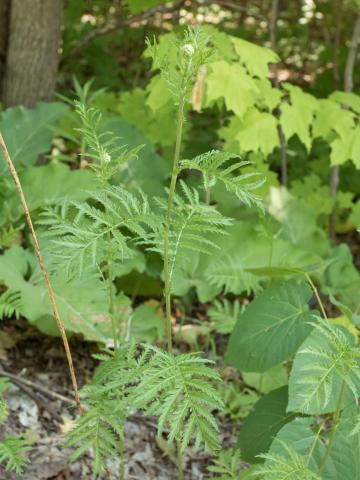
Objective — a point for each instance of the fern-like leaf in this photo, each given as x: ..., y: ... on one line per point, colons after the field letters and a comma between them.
x: 10, y: 304
x: 103, y: 147
x: 108, y: 401
x: 228, y: 272
x: 100, y: 429
x: 89, y: 232
x: 224, y: 315
x: 339, y: 360
x: 13, y: 452
x: 227, y: 465
x: 292, y: 466
x: 218, y: 166
x: 193, y: 224
x: 180, y: 391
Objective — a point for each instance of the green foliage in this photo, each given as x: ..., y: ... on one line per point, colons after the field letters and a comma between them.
x: 99, y: 429
x: 87, y: 235
x: 292, y: 466
x: 180, y: 391
x: 224, y: 315
x: 192, y: 224
x: 13, y: 453
x: 227, y: 465
x: 215, y: 166
x: 103, y: 147
x: 27, y: 133
x: 10, y: 304
x: 272, y: 327
x: 191, y: 51
x: 325, y: 364
x: 261, y: 426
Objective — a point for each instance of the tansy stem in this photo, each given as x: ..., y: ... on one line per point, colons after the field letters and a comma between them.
x: 167, y: 279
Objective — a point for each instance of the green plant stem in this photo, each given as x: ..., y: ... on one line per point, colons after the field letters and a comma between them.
x: 110, y: 287
x: 112, y: 302
x: 334, y: 428
x: 174, y: 175
x: 179, y: 461
x: 316, y: 293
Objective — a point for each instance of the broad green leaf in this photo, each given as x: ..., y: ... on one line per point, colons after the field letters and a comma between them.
x: 314, y: 193
x: 53, y: 183
x: 270, y: 97
x: 159, y: 95
x: 272, y: 328
x: 27, y: 133
x: 260, y: 427
x: 232, y: 83
x: 149, y: 170
x: 246, y: 248
x: 273, y: 378
x: 346, y: 148
x: 255, y: 58
x: 296, y: 118
x: 349, y: 99
x: 325, y: 360
x: 147, y: 323
x: 342, y: 278
x: 332, y: 117
x: 255, y: 132
x: 82, y: 304
x: 156, y: 126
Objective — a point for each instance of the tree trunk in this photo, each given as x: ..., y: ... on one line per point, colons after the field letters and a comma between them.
x: 4, y: 33
x: 33, y: 51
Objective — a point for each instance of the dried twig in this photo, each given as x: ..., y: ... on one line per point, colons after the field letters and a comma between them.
x: 43, y: 269
x: 36, y: 386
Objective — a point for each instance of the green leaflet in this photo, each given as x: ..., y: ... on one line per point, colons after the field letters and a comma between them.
x: 263, y: 423
x: 27, y: 133
x: 272, y: 328
x: 180, y: 390
x: 325, y: 363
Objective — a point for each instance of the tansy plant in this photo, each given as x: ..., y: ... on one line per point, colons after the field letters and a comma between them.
x: 96, y: 235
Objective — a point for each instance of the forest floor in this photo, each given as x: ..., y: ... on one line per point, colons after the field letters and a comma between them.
x: 35, y: 410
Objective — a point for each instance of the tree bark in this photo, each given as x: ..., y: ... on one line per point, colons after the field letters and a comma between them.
x: 33, y: 51
x: 4, y: 33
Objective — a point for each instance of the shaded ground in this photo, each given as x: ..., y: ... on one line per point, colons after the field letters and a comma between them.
x: 33, y: 357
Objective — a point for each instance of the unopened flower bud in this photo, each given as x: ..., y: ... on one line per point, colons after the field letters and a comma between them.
x: 188, y: 49
x: 107, y: 158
